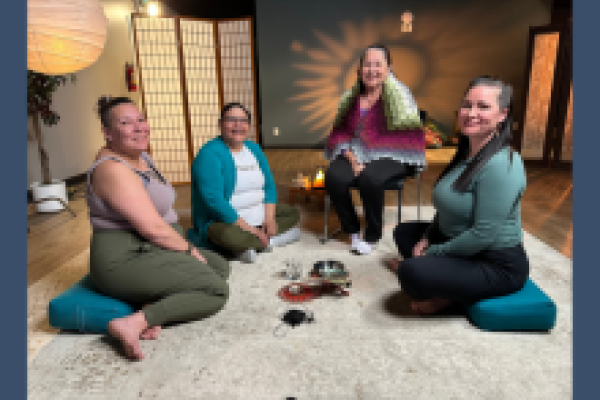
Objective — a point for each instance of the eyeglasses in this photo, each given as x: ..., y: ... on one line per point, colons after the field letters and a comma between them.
x: 232, y: 120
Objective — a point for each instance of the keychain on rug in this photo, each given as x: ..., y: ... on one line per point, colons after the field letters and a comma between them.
x: 295, y: 317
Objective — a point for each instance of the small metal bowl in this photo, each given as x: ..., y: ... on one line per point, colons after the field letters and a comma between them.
x: 330, y: 269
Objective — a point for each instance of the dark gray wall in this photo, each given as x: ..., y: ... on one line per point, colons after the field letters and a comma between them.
x: 308, y: 52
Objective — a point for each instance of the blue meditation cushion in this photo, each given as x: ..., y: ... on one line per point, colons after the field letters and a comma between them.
x: 527, y: 309
x: 83, y: 308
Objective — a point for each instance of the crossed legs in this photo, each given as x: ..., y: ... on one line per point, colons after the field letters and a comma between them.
x: 434, y: 282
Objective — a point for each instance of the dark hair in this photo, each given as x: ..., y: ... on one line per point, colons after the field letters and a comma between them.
x: 386, y: 54
x: 229, y: 106
x: 105, y: 104
x: 492, y: 147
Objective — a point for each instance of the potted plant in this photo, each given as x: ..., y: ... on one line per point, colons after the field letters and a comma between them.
x: 40, y: 88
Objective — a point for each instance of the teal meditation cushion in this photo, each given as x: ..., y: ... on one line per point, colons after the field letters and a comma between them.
x: 527, y: 309
x: 84, y: 309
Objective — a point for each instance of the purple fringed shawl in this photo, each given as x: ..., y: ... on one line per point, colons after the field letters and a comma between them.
x: 374, y: 134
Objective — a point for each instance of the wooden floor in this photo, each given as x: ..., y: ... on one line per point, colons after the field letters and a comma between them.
x: 546, y: 210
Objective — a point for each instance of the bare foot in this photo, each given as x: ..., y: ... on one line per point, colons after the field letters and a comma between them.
x: 431, y: 306
x: 151, y: 333
x: 127, y: 330
x: 393, y: 264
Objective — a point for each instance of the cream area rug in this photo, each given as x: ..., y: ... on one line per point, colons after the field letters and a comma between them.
x: 364, y: 346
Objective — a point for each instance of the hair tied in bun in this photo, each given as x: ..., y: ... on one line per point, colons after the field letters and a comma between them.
x: 106, y: 103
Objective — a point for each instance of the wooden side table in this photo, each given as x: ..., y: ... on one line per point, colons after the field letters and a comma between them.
x: 319, y: 192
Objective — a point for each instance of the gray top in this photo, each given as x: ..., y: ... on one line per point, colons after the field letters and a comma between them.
x: 161, y: 193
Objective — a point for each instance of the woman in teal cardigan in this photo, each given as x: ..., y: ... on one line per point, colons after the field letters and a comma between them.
x: 234, y: 198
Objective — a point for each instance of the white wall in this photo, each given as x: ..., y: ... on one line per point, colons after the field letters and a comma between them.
x: 74, y: 141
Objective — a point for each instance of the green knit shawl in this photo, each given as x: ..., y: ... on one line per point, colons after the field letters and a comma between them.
x: 395, y: 100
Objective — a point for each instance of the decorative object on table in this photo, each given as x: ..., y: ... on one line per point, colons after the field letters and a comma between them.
x: 319, y: 181
x: 64, y: 37
x: 299, y: 180
x: 434, y: 137
x: 307, y: 184
x: 50, y: 194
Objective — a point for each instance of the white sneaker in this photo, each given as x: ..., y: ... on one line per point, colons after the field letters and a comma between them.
x: 289, y: 236
x: 360, y: 246
x: 364, y: 248
x: 248, y: 257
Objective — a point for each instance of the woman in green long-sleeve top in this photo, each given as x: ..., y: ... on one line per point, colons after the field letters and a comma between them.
x: 472, y: 249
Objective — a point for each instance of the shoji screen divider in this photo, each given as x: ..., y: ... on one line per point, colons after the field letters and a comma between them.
x: 185, y: 93
x: 189, y: 68
x: 202, y: 76
x: 236, y: 54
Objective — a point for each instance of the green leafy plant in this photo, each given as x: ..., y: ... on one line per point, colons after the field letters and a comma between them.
x: 40, y: 88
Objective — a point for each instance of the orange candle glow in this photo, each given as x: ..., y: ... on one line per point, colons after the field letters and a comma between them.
x: 319, y: 179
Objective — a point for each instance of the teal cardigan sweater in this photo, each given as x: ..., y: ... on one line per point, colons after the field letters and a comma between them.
x: 487, y: 215
x: 213, y: 182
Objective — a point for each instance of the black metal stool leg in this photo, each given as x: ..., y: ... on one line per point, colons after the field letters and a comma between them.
x: 326, y: 236
x: 325, y: 239
x: 419, y: 196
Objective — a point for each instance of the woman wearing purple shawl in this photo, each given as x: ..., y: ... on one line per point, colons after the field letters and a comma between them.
x: 376, y: 137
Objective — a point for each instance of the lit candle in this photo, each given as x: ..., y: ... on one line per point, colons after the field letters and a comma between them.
x: 319, y: 179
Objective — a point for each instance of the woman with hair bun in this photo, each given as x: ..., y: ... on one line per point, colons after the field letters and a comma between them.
x: 138, y: 253
x: 473, y: 248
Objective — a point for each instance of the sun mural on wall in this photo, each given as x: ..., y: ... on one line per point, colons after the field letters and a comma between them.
x: 436, y: 60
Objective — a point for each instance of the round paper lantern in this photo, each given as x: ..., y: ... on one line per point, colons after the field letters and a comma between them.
x: 64, y: 36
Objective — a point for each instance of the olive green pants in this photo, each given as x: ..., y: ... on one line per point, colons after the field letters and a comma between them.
x: 233, y: 238
x: 180, y: 288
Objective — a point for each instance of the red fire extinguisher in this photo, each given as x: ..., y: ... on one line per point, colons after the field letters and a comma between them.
x: 130, y: 77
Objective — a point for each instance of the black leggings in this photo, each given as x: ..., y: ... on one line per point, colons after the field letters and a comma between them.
x: 338, y: 179
x: 489, y: 273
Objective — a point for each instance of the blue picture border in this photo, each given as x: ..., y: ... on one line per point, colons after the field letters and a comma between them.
x: 586, y: 199
x: 13, y: 232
